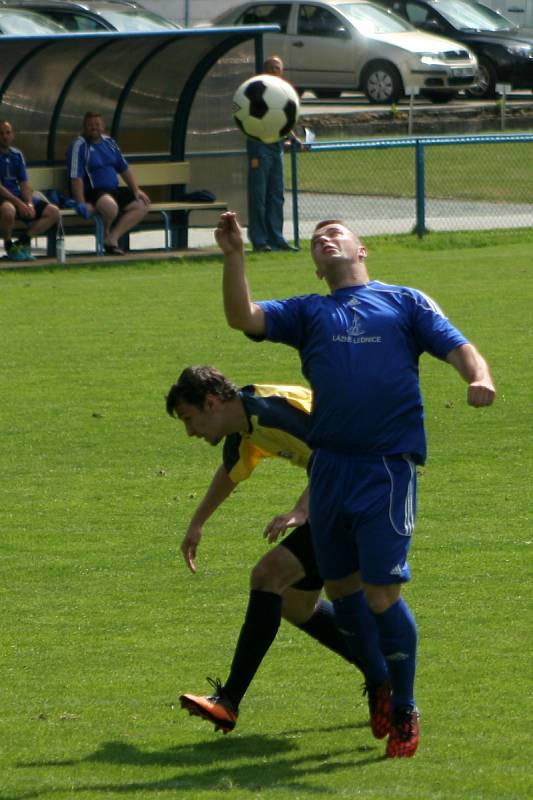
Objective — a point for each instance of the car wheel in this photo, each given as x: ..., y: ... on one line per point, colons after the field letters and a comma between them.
x: 486, y: 83
x: 381, y: 82
x: 439, y: 97
x: 327, y: 94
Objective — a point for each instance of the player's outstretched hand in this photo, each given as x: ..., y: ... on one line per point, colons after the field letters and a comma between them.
x: 282, y: 522
x: 189, y: 547
x: 228, y: 234
x: 481, y: 393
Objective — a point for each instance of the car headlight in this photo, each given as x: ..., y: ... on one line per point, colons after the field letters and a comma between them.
x: 522, y: 50
x: 431, y: 58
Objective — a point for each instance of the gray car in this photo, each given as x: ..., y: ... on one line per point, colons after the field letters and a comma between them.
x: 98, y: 15
x: 329, y: 47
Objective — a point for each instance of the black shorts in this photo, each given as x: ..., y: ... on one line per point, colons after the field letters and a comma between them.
x: 300, y: 544
x: 121, y: 195
x: 39, y: 204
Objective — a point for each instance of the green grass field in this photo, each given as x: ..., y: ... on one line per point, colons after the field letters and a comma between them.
x: 103, y: 627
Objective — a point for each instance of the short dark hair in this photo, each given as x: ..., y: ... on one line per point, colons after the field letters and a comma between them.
x: 195, y: 383
x: 90, y: 115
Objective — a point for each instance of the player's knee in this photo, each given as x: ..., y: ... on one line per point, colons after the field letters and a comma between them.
x: 263, y: 577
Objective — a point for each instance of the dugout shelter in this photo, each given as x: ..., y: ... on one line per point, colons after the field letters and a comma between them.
x: 163, y: 95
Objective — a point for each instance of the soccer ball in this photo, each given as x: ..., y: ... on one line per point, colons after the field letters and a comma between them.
x: 266, y: 108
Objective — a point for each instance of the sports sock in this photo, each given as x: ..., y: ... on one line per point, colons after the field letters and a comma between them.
x: 322, y: 626
x: 263, y: 617
x: 397, y: 636
x: 357, y: 625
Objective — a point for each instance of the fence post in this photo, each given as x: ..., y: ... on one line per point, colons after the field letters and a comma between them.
x: 294, y: 192
x: 420, y: 190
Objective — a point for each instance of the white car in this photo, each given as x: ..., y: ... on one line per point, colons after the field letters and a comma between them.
x: 330, y: 47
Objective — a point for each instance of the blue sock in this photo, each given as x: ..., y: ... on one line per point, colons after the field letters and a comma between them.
x: 357, y: 625
x: 322, y: 626
x: 397, y: 636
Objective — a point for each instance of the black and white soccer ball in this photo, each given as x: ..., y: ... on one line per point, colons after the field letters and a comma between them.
x: 266, y: 108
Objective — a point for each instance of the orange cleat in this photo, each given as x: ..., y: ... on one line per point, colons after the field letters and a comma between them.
x: 216, y: 708
x: 405, y: 732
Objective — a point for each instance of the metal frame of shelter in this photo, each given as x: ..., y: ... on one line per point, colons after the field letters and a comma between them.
x: 164, y: 95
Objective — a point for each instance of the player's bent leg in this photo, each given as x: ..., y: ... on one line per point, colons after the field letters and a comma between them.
x: 358, y: 626
x: 276, y: 571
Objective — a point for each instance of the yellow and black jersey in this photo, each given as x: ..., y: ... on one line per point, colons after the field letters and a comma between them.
x: 278, y: 426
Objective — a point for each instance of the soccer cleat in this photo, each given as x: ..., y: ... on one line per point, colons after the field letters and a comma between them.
x: 379, y: 708
x: 17, y: 253
x: 404, y: 733
x: 216, y: 708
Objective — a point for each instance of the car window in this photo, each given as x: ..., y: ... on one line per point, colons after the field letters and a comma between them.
x: 25, y: 23
x: 473, y: 16
x: 267, y: 14
x: 418, y: 14
x: 371, y: 19
x: 318, y: 21
x: 76, y: 22
x: 134, y: 21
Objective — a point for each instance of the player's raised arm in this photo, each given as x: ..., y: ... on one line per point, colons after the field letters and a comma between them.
x: 473, y: 368
x: 241, y: 312
x: 219, y: 490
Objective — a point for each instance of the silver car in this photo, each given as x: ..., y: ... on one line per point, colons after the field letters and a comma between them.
x: 329, y: 47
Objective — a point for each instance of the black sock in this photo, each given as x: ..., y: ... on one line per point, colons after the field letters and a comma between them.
x: 323, y: 627
x: 263, y: 617
x: 8, y: 244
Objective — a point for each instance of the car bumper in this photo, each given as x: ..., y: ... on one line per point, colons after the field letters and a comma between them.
x: 451, y: 78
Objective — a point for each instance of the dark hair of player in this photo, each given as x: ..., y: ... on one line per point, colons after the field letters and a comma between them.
x: 193, y: 386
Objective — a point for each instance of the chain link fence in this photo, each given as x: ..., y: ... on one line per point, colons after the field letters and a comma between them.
x: 416, y: 184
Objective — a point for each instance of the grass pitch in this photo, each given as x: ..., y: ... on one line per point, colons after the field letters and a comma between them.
x: 102, y: 625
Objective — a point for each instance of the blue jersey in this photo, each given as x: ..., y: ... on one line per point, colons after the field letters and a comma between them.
x: 98, y: 163
x: 278, y: 426
x: 13, y: 170
x: 359, y: 348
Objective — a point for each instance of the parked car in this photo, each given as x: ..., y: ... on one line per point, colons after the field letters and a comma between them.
x: 98, y: 15
x: 504, y: 52
x: 329, y: 47
x: 15, y: 22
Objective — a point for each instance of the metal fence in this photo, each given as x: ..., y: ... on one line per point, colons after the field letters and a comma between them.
x: 414, y: 184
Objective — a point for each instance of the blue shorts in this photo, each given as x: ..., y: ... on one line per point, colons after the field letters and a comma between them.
x: 362, y: 515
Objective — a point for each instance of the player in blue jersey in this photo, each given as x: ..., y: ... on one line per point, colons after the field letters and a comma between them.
x: 359, y: 348
x: 18, y: 201
x: 256, y: 422
x: 94, y: 162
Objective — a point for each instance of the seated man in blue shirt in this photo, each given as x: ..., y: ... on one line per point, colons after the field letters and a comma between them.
x: 17, y: 200
x: 94, y: 162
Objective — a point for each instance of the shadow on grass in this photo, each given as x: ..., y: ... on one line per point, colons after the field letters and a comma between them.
x: 253, y: 762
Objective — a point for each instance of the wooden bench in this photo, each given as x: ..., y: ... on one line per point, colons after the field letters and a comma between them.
x: 162, y: 180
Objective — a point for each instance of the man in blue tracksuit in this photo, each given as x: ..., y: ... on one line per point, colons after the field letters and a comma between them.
x: 359, y: 348
x: 266, y: 186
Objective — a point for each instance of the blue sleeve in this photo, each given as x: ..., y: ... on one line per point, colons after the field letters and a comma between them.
x: 22, y: 174
x: 121, y: 165
x: 76, y: 155
x: 285, y: 320
x: 434, y: 332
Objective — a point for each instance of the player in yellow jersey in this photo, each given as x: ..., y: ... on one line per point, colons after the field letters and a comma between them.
x: 255, y: 422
